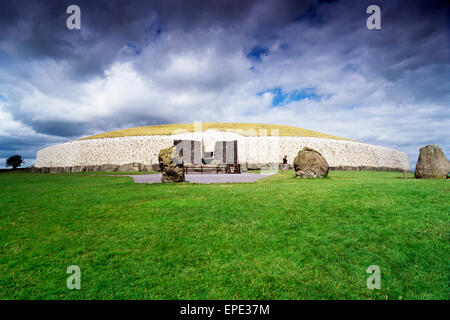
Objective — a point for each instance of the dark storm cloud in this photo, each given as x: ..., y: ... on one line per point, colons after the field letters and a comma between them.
x: 414, y: 36
x: 60, y: 128
x: 411, y: 52
x: 36, y: 29
x: 27, y: 147
x: 74, y: 129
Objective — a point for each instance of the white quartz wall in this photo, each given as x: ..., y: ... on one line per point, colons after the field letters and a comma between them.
x: 251, y: 150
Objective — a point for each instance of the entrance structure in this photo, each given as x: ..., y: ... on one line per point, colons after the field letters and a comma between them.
x: 224, y: 158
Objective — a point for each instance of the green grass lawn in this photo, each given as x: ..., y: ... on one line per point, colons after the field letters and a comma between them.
x: 278, y: 238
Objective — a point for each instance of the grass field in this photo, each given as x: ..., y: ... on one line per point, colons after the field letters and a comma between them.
x: 245, y: 129
x: 278, y: 238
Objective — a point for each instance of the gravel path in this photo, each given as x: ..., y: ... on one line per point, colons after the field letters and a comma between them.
x: 202, y: 178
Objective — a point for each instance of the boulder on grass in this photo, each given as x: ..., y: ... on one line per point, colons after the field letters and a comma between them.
x: 432, y: 163
x: 310, y: 164
x: 171, y: 165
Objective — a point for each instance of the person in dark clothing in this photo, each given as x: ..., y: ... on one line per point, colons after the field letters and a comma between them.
x: 285, y: 163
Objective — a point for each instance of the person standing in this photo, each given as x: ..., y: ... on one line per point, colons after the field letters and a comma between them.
x: 285, y: 164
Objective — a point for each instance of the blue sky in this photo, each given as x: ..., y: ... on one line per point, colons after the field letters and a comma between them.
x: 311, y: 64
x: 280, y: 98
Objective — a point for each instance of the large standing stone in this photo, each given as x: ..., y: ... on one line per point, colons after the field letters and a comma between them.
x: 171, y: 165
x: 310, y: 164
x: 432, y: 163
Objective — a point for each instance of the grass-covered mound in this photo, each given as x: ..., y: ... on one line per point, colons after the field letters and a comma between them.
x: 246, y: 129
x: 278, y: 238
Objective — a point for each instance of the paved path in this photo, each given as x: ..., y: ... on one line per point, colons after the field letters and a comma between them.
x: 202, y: 178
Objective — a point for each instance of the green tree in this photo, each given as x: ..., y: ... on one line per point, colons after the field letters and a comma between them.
x: 14, y: 161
